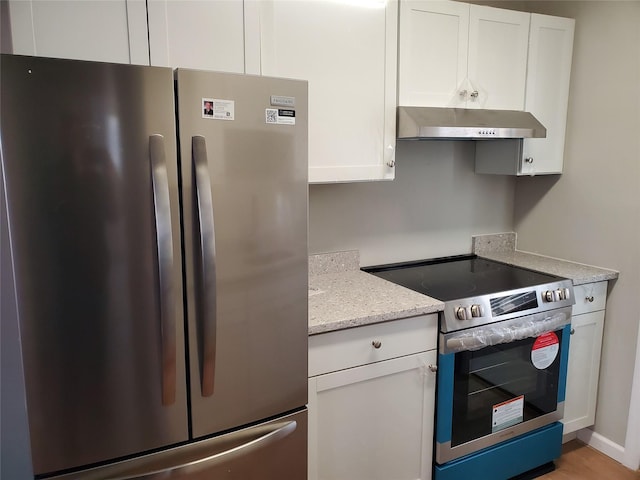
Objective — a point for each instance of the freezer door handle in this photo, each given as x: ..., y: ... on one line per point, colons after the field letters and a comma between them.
x: 186, y: 470
x: 200, y: 465
x: 164, y: 236
x: 208, y: 258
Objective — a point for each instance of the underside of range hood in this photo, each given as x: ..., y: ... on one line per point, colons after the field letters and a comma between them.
x: 424, y: 123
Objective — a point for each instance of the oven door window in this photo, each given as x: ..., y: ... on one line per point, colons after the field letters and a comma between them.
x: 502, y: 385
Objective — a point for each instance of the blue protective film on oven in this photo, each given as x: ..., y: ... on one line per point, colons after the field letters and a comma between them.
x: 444, y: 412
x: 564, y: 363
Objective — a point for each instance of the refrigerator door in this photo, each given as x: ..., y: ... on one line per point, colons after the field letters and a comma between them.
x: 89, y: 163
x: 244, y: 184
x: 274, y: 450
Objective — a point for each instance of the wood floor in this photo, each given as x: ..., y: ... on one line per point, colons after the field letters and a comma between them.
x: 581, y: 462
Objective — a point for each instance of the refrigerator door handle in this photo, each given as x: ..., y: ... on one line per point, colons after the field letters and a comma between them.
x: 186, y: 470
x: 208, y: 257
x: 162, y: 210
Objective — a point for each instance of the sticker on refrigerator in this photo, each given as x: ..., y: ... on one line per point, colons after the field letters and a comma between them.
x: 218, y: 109
x: 545, y: 350
x: 507, y: 414
x: 280, y: 116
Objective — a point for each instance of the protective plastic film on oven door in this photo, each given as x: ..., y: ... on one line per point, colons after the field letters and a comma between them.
x: 505, y: 332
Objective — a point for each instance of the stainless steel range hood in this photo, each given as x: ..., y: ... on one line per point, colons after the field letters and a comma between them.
x: 422, y: 123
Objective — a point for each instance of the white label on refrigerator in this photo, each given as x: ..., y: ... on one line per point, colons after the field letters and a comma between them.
x: 280, y: 116
x: 545, y: 350
x: 218, y: 109
x: 507, y: 413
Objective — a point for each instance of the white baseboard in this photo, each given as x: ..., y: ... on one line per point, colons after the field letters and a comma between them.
x: 602, y: 444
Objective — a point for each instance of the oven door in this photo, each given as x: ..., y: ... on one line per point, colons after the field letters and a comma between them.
x: 500, y: 380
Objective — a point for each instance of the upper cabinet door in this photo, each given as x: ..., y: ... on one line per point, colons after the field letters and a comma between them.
x: 454, y: 54
x: 432, y: 62
x: 206, y: 35
x: 100, y: 30
x: 347, y: 51
x: 498, y: 44
x: 547, y: 98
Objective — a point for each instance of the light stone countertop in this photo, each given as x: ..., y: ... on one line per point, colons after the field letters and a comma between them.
x: 501, y: 247
x: 342, y: 296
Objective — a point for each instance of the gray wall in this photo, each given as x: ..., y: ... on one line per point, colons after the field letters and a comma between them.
x: 431, y: 209
x: 591, y: 214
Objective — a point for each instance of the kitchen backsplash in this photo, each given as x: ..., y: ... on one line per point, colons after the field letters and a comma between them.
x: 334, y: 262
x: 432, y: 208
x: 494, y: 242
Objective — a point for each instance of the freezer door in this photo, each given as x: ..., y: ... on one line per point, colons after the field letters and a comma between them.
x: 89, y: 164
x: 274, y: 450
x: 244, y: 186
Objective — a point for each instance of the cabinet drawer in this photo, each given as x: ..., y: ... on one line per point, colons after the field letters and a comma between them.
x: 590, y: 297
x: 342, y: 349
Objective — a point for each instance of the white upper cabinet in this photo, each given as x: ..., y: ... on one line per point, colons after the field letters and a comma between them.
x: 432, y: 63
x: 498, y: 43
x: 453, y: 54
x: 100, y: 30
x: 547, y: 96
x: 347, y: 52
x: 207, y: 35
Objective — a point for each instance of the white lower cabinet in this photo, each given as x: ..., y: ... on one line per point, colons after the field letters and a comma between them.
x: 373, y: 421
x: 587, y: 325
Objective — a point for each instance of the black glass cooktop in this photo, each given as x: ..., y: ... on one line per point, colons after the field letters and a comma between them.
x: 458, y: 277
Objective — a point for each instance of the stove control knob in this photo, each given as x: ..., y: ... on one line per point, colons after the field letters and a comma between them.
x: 462, y: 313
x: 476, y: 311
x: 556, y: 295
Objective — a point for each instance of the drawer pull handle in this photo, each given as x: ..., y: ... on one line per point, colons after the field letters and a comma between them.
x: 433, y: 368
x: 376, y: 344
x: 589, y: 299
x: 573, y: 330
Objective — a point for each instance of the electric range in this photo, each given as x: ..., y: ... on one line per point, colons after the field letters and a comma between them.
x: 477, y: 290
x: 502, y: 364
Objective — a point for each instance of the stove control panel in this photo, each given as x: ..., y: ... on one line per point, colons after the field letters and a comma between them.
x: 484, y: 309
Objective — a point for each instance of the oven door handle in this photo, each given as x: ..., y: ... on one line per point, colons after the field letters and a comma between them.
x: 506, y: 331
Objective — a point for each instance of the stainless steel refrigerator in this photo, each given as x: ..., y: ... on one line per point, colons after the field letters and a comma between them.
x: 154, y: 272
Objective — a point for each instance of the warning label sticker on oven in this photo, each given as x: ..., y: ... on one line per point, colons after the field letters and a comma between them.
x: 545, y: 350
x: 507, y: 413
